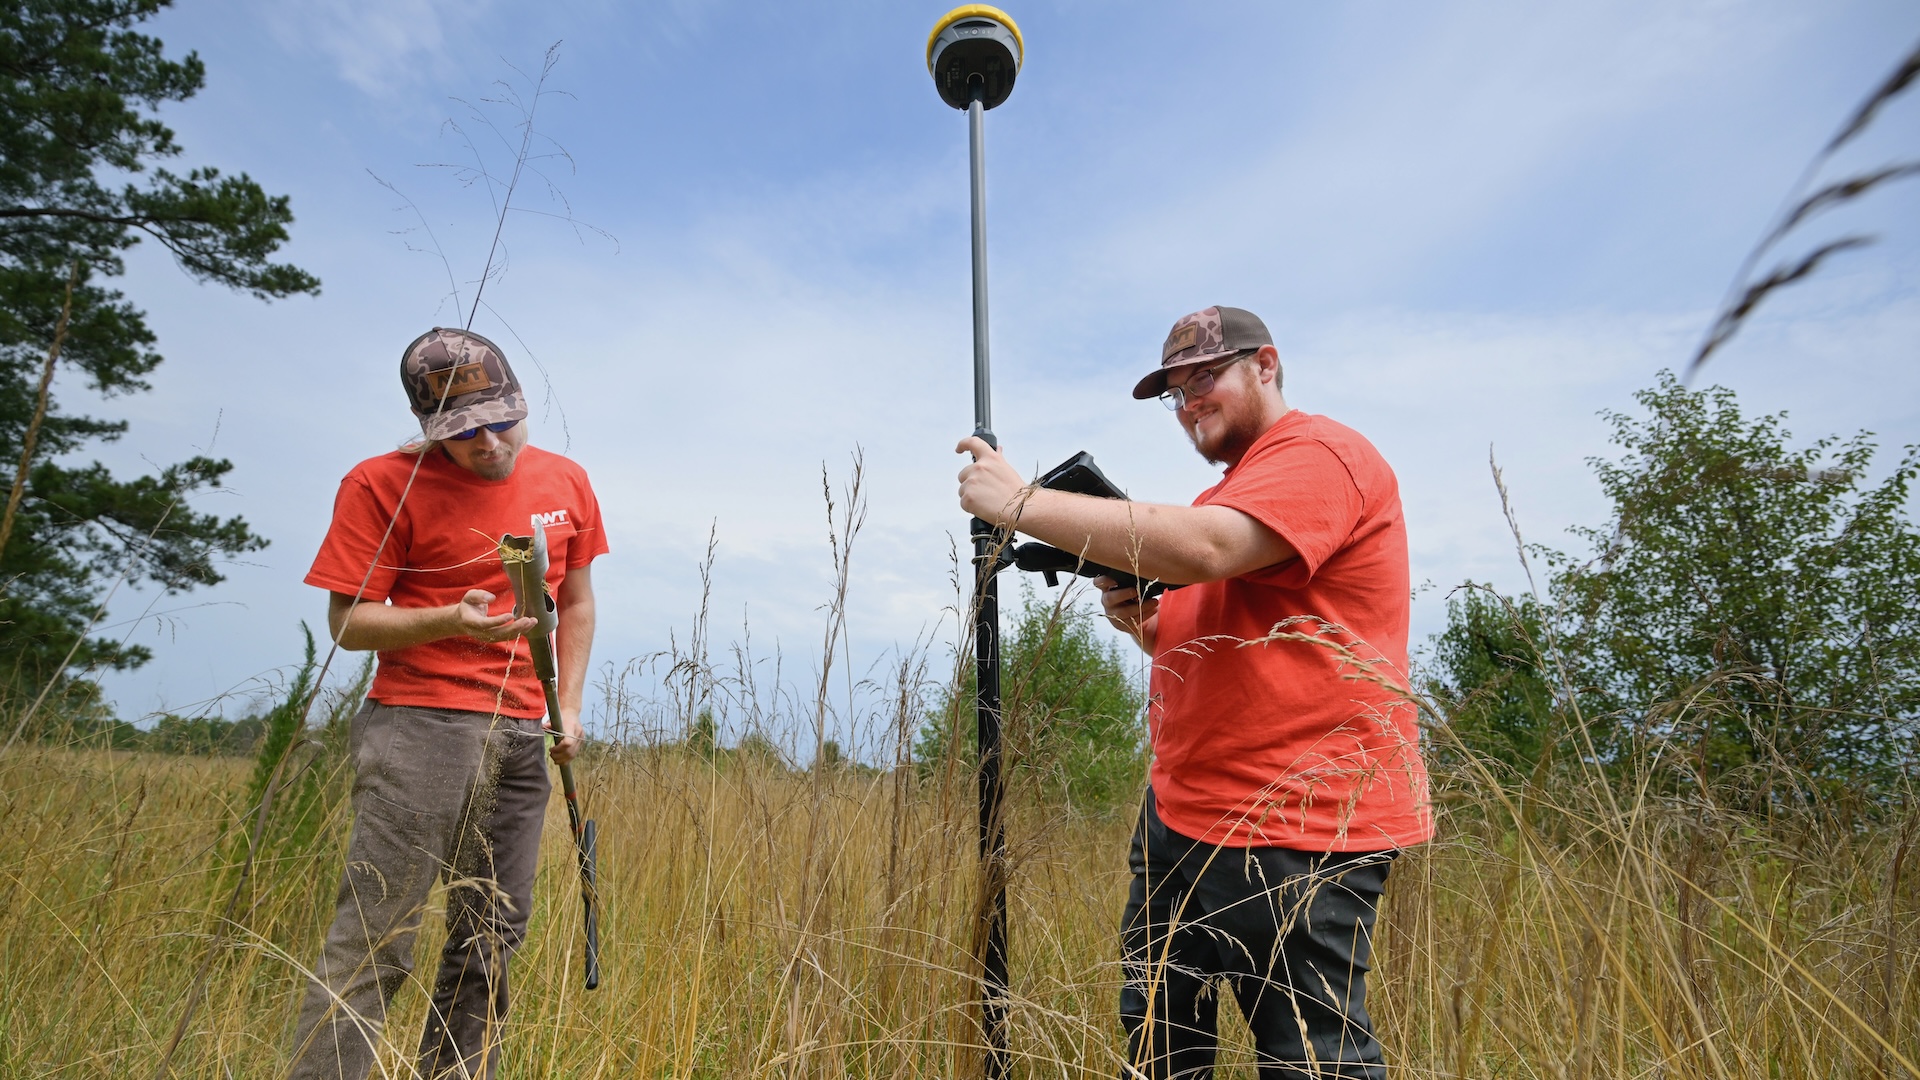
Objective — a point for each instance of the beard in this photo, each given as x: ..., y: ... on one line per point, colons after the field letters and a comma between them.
x: 1230, y: 440
x: 494, y: 470
x: 498, y: 467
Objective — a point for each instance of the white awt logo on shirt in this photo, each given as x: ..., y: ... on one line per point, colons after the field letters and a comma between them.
x: 551, y: 517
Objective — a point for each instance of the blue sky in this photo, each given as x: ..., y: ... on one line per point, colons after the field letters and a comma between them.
x: 1470, y: 225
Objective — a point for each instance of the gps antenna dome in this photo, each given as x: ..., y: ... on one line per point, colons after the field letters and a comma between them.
x: 974, y: 45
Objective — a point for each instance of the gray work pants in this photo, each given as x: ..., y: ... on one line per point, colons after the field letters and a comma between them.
x: 1290, y: 933
x: 436, y: 793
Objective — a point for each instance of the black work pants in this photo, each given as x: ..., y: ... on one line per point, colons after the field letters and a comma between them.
x: 1289, y: 932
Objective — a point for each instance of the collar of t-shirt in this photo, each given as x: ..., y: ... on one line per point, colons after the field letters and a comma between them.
x: 1277, y: 430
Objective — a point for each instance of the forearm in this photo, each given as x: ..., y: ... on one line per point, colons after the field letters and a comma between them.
x: 377, y: 625
x: 574, y: 647
x: 1176, y: 544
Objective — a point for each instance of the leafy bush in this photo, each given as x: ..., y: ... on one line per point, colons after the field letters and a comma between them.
x: 1745, y: 618
x: 1071, y: 711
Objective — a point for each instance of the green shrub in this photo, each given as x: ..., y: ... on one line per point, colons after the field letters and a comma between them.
x: 1072, y: 711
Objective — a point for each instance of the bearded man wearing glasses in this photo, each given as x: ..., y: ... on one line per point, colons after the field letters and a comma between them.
x: 1286, y: 768
x: 449, y: 751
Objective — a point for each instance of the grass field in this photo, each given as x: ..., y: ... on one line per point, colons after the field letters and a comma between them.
x: 767, y: 921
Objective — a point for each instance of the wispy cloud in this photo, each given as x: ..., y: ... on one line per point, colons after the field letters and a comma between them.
x: 384, y: 46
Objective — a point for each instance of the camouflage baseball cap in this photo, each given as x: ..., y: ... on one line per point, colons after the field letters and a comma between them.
x: 1208, y: 334
x: 456, y: 380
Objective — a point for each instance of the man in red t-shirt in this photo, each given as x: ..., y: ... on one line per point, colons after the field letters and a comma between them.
x: 1286, y: 767
x: 449, y: 750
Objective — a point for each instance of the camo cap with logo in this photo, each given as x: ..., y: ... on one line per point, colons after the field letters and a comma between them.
x: 1210, y: 334
x: 456, y: 380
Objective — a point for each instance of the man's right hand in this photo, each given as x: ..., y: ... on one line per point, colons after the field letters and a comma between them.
x: 1127, y: 612
x: 471, y: 619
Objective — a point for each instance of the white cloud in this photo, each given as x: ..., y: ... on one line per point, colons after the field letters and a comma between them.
x: 1419, y: 147
x: 382, y: 46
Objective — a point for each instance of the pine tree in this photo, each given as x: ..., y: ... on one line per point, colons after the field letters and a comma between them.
x: 80, y: 184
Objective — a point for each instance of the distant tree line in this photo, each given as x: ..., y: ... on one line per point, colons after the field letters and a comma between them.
x: 170, y: 733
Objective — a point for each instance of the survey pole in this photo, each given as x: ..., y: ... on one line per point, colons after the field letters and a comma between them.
x: 974, y: 55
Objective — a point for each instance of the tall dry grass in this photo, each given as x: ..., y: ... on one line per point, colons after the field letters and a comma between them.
x: 1562, y: 937
x: 768, y: 920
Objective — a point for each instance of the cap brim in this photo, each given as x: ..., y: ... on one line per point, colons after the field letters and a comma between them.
x: 455, y: 421
x: 1156, y: 384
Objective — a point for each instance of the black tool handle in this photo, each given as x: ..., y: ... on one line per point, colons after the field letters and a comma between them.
x: 1039, y: 558
x: 589, y: 884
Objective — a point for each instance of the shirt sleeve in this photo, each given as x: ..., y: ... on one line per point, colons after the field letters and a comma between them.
x: 590, y: 536
x: 353, y: 542
x: 1303, y: 491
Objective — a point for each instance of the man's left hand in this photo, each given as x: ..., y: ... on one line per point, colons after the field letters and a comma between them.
x: 571, y: 734
x: 990, y: 489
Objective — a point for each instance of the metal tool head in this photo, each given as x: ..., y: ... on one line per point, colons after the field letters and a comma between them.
x: 975, y: 45
x: 525, y: 560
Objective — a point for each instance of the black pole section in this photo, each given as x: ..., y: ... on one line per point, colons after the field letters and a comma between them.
x: 988, y: 544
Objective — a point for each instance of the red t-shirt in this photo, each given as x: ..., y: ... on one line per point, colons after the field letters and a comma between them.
x: 445, y: 541
x: 1306, y: 740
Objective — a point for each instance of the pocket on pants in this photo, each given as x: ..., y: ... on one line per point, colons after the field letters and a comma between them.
x: 419, y: 759
x: 357, y: 730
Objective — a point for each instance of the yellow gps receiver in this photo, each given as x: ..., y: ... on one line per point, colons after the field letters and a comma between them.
x: 974, y: 51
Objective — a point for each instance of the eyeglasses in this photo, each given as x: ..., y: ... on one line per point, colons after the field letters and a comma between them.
x: 1200, y: 384
x: 499, y: 428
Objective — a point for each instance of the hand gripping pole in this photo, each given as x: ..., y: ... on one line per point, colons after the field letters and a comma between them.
x: 525, y: 560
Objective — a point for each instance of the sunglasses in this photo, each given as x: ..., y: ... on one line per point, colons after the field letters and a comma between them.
x: 499, y: 428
